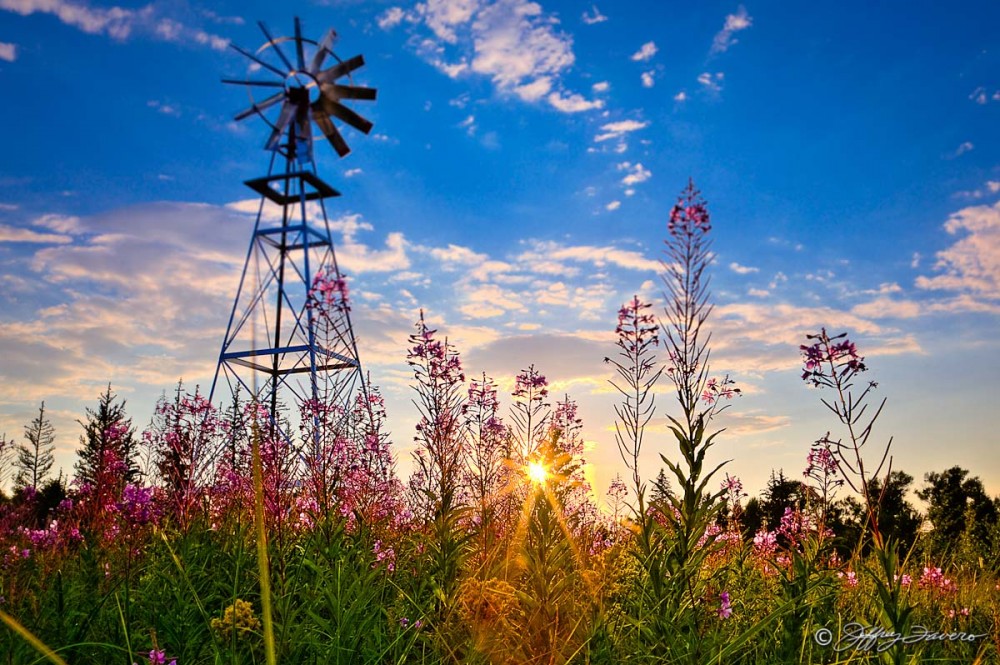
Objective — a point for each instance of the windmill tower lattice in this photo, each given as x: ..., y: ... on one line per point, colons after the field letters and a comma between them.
x: 290, y: 323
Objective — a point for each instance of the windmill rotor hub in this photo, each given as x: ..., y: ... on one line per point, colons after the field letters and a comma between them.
x: 303, y: 82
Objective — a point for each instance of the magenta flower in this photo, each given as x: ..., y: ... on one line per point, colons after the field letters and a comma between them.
x: 725, y: 608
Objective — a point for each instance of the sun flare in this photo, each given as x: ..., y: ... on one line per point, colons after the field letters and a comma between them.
x: 537, y: 473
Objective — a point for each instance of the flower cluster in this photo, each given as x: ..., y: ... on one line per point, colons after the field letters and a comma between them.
x: 689, y: 215
x: 384, y: 554
x: 716, y: 389
x: 328, y: 292
x: 933, y: 578
x: 725, y: 607
x: 237, y: 620
x: 829, y: 359
x: 530, y: 385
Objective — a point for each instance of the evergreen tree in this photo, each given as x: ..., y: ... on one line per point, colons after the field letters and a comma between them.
x: 34, y: 459
x: 661, y: 490
x: 108, y: 438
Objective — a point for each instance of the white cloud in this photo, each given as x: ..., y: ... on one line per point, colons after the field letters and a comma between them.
x: 680, y: 96
x: 963, y: 148
x: 647, y: 79
x: 613, y: 130
x: 514, y: 42
x: 614, y: 205
x: 595, y: 17
x: 532, y: 92
x: 443, y: 16
x: 598, y: 256
x: 62, y: 224
x: 711, y: 82
x: 602, y: 86
x: 981, y: 96
x: 887, y: 308
x: 573, y: 103
x: 390, y: 18
x: 733, y: 24
x: 16, y: 234
x: 350, y: 173
x: 645, y: 52
x: 635, y: 173
x: 742, y: 270
x: 972, y: 264
x: 469, y: 125
x: 117, y: 22
x: 458, y: 254
x: 8, y: 51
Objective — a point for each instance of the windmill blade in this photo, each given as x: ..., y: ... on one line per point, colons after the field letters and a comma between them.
x: 260, y: 62
x: 340, y: 69
x: 351, y: 92
x: 345, y: 114
x: 287, y: 113
x: 262, y: 106
x: 326, y: 126
x: 277, y: 49
x: 323, y: 49
x: 301, y: 57
x: 266, y: 84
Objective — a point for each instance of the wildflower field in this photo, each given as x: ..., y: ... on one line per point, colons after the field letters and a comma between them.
x: 210, y: 538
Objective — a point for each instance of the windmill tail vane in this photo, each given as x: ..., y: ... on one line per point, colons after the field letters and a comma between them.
x: 305, y: 353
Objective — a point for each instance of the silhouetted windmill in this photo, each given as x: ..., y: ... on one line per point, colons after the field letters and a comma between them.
x: 290, y: 322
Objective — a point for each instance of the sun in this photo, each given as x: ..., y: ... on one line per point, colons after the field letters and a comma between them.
x: 537, y: 473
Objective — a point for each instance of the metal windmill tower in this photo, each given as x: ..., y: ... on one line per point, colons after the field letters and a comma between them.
x: 289, y: 337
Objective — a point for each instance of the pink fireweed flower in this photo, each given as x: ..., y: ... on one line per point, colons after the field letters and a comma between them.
x: 384, y: 554
x: 725, y: 608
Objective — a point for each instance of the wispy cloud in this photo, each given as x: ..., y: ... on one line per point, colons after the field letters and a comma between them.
x: 117, y: 22
x: 711, y: 82
x: 982, y: 96
x: 964, y: 147
x: 733, y: 24
x: 512, y: 42
x: 972, y: 264
x: 635, y: 173
x: 16, y: 234
x: 8, y: 51
x: 645, y: 52
x: 614, y: 130
x: 742, y: 270
x: 648, y: 80
x: 595, y: 16
x: 573, y: 103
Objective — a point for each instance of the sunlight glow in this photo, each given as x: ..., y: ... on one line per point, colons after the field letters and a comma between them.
x: 537, y: 473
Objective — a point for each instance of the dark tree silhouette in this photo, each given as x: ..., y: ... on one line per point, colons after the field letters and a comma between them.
x: 35, y: 458
x: 953, y: 499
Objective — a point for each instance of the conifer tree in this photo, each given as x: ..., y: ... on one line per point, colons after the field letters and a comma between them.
x: 35, y: 458
x: 108, y: 439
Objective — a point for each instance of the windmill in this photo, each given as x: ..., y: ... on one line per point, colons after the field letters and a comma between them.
x: 289, y: 339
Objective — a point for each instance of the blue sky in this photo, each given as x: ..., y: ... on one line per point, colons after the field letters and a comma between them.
x: 516, y: 185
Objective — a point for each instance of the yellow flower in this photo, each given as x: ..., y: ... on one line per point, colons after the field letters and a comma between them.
x: 238, y: 618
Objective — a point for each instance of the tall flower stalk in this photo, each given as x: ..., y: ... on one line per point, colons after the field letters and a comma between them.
x: 694, y: 508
